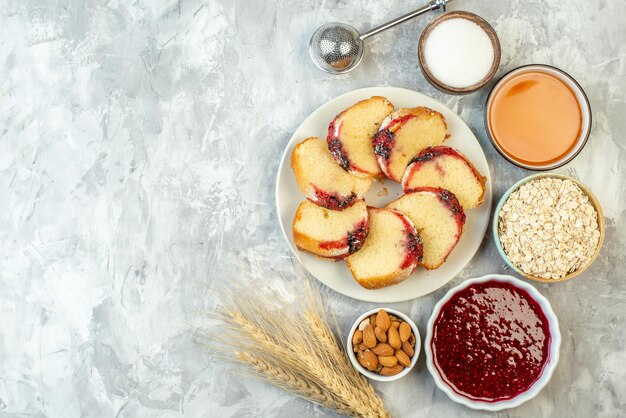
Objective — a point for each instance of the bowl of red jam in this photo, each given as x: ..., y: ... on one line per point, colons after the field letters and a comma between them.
x: 492, y: 343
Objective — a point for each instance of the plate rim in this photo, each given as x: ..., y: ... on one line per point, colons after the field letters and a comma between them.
x: 295, y: 252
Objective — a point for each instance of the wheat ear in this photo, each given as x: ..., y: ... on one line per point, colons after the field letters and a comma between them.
x: 369, y: 396
x: 298, y: 359
x: 333, y: 373
x: 287, y: 380
x: 315, y: 317
x: 292, y: 346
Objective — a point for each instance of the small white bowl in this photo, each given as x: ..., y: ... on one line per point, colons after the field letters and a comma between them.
x: 546, y: 374
x: 376, y: 376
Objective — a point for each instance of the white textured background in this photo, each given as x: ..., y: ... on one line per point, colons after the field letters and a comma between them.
x: 139, y: 143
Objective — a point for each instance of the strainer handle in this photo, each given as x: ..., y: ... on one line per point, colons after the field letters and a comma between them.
x: 433, y: 5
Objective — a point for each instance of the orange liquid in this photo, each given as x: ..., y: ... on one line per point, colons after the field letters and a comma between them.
x: 535, y: 118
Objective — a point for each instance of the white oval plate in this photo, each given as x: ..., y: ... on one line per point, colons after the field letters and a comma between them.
x: 336, y: 274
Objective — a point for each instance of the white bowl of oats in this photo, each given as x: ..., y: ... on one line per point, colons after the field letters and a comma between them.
x: 548, y: 227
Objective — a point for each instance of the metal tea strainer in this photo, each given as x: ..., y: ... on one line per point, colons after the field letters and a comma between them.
x: 338, y: 48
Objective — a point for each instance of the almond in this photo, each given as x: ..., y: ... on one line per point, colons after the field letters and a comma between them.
x: 395, y: 324
x: 383, y: 349
x: 362, y: 346
x: 403, y: 358
x: 405, y: 331
x: 408, y: 348
x: 368, y: 360
x: 357, y: 337
x: 393, y: 338
x: 388, y: 361
x: 390, y: 371
x: 369, y: 338
x: 382, y: 320
x: 412, y: 339
x: 355, y: 348
x: 364, y: 323
x: 360, y: 357
x: 373, y: 320
x: 380, y: 335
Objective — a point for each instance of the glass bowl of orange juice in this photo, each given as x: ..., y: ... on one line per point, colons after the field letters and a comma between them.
x: 538, y: 117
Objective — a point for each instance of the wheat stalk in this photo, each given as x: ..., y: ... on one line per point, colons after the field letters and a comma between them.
x: 315, y: 317
x: 294, y: 348
x: 285, y: 379
x: 331, y: 372
x: 371, y: 398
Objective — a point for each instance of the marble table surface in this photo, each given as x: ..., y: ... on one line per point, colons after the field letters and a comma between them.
x: 139, y: 143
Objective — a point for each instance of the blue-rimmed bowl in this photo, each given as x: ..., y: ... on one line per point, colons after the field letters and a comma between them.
x: 505, y: 197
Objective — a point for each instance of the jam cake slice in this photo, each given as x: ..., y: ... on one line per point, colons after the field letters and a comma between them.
x: 330, y: 233
x: 402, y: 136
x: 321, y: 180
x: 447, y: 168
x: 392, y: 250
x: 350, y: 135
x: 438, y: 216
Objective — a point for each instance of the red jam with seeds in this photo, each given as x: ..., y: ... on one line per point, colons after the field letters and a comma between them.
x: 335, y: 147
x: 432, y: 152
x: 383, y: 139
x: 354, y: 240
x: 414, y: 246
x: 332, y: 201
x: 337, y: 150
x: 491, y: 341
x: 447, y: 198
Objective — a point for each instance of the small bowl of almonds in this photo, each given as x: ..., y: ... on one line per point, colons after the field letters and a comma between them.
x: 548, y: 227
x: 383, y: 344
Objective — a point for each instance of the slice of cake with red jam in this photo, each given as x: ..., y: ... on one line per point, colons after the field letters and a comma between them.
x: 392, y: 250
x: 447, y: 168
x: 438, y: 216
x: 402, y: 136
x: 350, y: 135
x: 321, y: 180
x: 330, y: 233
